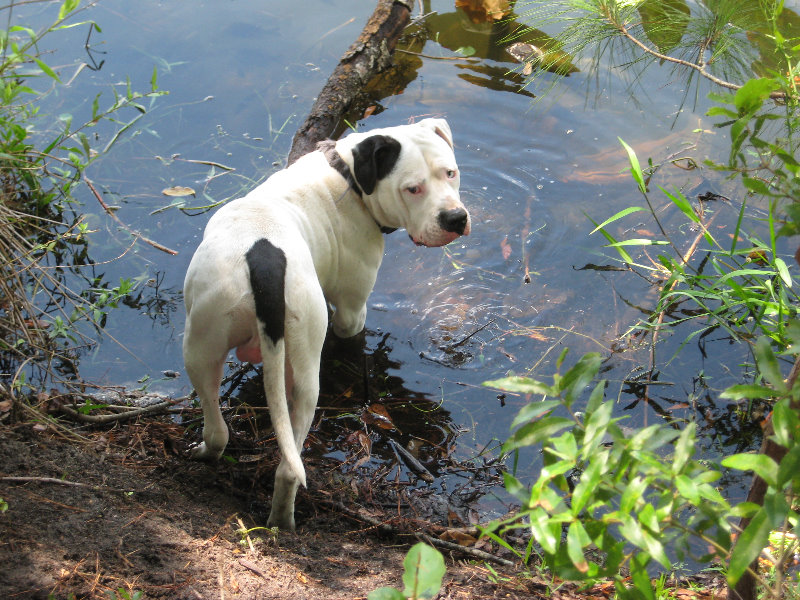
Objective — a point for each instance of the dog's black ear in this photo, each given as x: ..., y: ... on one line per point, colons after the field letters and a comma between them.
x: 374, y: 159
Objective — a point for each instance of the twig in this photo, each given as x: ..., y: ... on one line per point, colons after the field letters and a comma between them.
x: 133, y: 232
x: 31, y: 479
x: 405, y: 457
x: 481, y: 328
x: 124, y: 416
x: 252, y: 566
x: 420, y: 54
x: 660, y: 321
x: 474, y: 552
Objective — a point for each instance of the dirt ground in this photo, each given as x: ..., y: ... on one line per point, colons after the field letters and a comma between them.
x: 118, y: 509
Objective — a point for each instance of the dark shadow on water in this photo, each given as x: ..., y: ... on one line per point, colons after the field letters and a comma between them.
x: 396, y: 442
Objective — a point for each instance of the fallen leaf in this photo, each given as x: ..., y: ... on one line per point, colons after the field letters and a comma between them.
x: 484, y: 11
x: 458, y: 537
x: 178, y: 190
x: 377, y: 414
x: 361, y: 439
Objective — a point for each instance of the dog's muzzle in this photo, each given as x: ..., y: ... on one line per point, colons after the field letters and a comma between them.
x: 453, y: 221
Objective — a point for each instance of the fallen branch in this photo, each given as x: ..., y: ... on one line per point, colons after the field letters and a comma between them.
x: 122, y: 416
x: 370, y: 54
x: 387, y: 527
x: 133, y: 232
x: 473, y: 552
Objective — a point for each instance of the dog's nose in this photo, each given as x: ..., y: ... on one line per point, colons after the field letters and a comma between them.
x: 454, y: 220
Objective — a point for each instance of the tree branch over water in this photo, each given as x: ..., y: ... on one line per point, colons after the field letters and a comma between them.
x: 368, y: 55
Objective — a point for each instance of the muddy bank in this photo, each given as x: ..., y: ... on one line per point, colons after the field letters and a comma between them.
x: 120, y: 507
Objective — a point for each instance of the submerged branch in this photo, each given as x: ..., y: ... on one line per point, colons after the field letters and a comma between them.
x: 136, y: 234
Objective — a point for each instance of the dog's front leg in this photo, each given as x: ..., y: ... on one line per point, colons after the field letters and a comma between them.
x: 348, y: 322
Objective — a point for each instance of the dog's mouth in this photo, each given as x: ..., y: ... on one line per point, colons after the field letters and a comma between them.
x: 442, y: 241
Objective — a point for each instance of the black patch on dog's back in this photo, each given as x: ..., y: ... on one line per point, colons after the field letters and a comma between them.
x: 374, y: 159
x: 267, y: 265
x: 335, y: 160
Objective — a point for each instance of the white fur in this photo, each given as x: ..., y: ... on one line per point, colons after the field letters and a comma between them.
x: 333, y: 246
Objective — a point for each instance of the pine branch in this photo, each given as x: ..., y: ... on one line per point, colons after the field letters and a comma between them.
x: 699, y: 66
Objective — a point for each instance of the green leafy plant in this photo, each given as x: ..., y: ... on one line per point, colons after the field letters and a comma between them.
x: 744, y: 288
x: 725, y: 41
x: 123, y: 594
x: 424, y: 570
x: 42, y: 160
x: 609, y: 501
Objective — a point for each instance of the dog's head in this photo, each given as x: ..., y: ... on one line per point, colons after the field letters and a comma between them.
x: 410, y: 179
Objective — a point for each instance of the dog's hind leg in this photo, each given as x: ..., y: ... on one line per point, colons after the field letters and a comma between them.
x: 204, y: 365
x: 305, y: 335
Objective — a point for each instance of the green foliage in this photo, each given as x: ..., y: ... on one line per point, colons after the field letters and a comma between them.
x: 123, y: 594
x: 743, y: 286
x: 424, y: 570
x: 3, y: 506
x: 608, y: 500
x: 42, y: 160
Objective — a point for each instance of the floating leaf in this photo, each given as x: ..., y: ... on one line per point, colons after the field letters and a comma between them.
x: 178, y: 190
x: 377, y: 414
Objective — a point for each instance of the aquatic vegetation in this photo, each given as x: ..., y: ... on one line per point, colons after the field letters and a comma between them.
x: 43, y: 235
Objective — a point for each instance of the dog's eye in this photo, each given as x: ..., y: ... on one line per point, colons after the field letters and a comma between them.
x: 451, y: 174
x: 414, y: 189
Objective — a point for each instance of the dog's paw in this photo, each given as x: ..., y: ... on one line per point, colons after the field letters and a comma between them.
x: 202, y: 452
x: 282, y: 522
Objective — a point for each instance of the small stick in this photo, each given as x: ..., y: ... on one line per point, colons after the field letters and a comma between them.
x: 123, y: 416
x: 481, y: 328
x: 137, y: 234
x: 405, y: 457
x: 474, y: 552
x: 29, y: 479
x: 460, y: 57
x: 252, y: 566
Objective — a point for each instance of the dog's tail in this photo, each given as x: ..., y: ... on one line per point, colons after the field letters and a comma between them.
x: 274, y: 357
x: 266, y: 264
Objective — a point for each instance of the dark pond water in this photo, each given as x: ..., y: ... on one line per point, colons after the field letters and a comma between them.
x: 242, y: 75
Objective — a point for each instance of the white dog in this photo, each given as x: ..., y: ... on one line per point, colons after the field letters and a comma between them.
x: 270, y: 264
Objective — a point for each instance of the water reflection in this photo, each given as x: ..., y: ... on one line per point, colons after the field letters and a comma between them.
x: 159, y: 302
x: 367, y: 416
